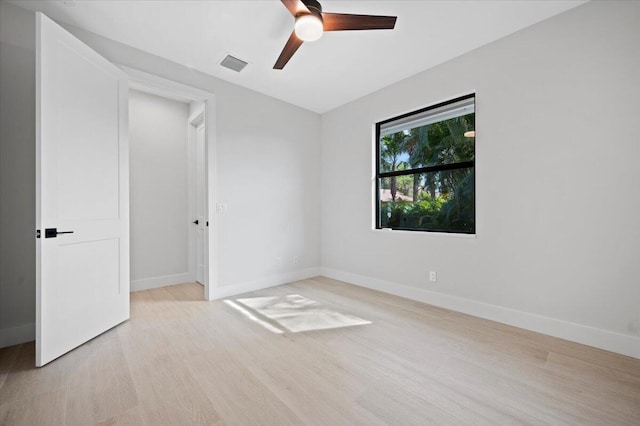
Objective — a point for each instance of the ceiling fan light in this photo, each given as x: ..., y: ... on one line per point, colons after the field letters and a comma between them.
x: 308, y: 27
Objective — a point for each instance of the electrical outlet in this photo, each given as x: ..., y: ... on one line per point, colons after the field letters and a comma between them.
x: 295, y: 260
x: 433, y: 277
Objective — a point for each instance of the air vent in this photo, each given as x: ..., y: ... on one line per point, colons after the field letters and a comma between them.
x: 233, y: 63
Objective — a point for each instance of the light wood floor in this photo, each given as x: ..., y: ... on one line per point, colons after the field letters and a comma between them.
x: 180, y: 360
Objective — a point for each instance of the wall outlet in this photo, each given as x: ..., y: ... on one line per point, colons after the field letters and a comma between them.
x: 433, y: 277
x: 295, y: 260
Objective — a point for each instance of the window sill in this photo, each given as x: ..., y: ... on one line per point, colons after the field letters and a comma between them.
x: 427, y: 233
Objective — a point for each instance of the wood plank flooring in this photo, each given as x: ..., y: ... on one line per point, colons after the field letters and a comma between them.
x: 180, y: 360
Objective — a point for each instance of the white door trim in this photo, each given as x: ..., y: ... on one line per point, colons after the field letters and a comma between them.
x: 151, y: 83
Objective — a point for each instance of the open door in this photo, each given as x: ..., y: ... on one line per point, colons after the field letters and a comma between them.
x: 201, y: 194
x: 82, y: 193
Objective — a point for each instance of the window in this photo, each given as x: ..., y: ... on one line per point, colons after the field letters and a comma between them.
x: 425, y: 169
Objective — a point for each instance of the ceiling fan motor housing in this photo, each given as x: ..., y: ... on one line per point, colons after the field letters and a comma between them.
x: 314, y: 7
x: 309, y: 24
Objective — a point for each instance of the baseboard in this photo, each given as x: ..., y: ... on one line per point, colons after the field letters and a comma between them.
x: 15, y: 335
x: 586, y: 335
x: 271, y: 281
x: 163, y: 281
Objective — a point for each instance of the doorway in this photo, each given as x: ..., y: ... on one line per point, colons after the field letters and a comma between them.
x: 201, y: 188
x: 163, y: 217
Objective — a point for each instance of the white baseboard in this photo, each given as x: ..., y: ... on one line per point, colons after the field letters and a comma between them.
x: 15, y: 335
x: 608, y: 340
x: 271, y: 281
x: 163, y: 281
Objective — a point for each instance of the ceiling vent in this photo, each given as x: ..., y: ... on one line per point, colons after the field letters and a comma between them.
x: 233, y: 63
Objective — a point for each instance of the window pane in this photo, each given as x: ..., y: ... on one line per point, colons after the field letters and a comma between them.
x: 439, y: 201
x: 443, y: 142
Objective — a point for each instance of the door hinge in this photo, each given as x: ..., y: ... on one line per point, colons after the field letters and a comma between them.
x: 37, y: 233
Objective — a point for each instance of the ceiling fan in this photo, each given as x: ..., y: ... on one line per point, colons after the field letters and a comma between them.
x: 311, y: 22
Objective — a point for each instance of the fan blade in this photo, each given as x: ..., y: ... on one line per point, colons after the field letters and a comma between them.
x: 344, y: 21
x: 295, y: 6
x: 287, y: 52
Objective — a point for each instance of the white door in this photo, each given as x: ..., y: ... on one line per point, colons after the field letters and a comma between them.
x: 82, y: 278
x: 201, y: 233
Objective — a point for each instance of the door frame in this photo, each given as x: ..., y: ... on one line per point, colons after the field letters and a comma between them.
x: 151, y: 83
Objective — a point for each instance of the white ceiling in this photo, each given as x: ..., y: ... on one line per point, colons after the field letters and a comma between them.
x: 338, y: 68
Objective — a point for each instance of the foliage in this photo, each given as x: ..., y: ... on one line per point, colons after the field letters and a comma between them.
x: 392, y: 148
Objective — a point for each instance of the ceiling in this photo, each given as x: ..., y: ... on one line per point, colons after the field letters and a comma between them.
x: 322, y: 75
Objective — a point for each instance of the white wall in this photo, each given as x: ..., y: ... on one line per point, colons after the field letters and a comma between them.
x: 557, y: 178
x: 17, y: 175
x: 159, y: 191
x: 267, y: 169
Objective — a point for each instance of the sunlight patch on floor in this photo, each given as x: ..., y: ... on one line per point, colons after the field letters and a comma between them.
x: 252, y: 317
x: 296, y: 313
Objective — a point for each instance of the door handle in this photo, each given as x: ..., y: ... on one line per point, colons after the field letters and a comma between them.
x: 53, y: 232
x: 196, y: 221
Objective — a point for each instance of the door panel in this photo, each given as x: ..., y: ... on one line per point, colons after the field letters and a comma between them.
x: 82, y: 280
x: 88, y: 281
x: 89, y: 94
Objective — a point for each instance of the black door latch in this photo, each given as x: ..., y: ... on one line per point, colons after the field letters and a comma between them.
x: 53, y: 232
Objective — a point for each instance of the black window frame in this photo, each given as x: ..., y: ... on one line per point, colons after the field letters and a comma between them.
x: 429, y: 169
